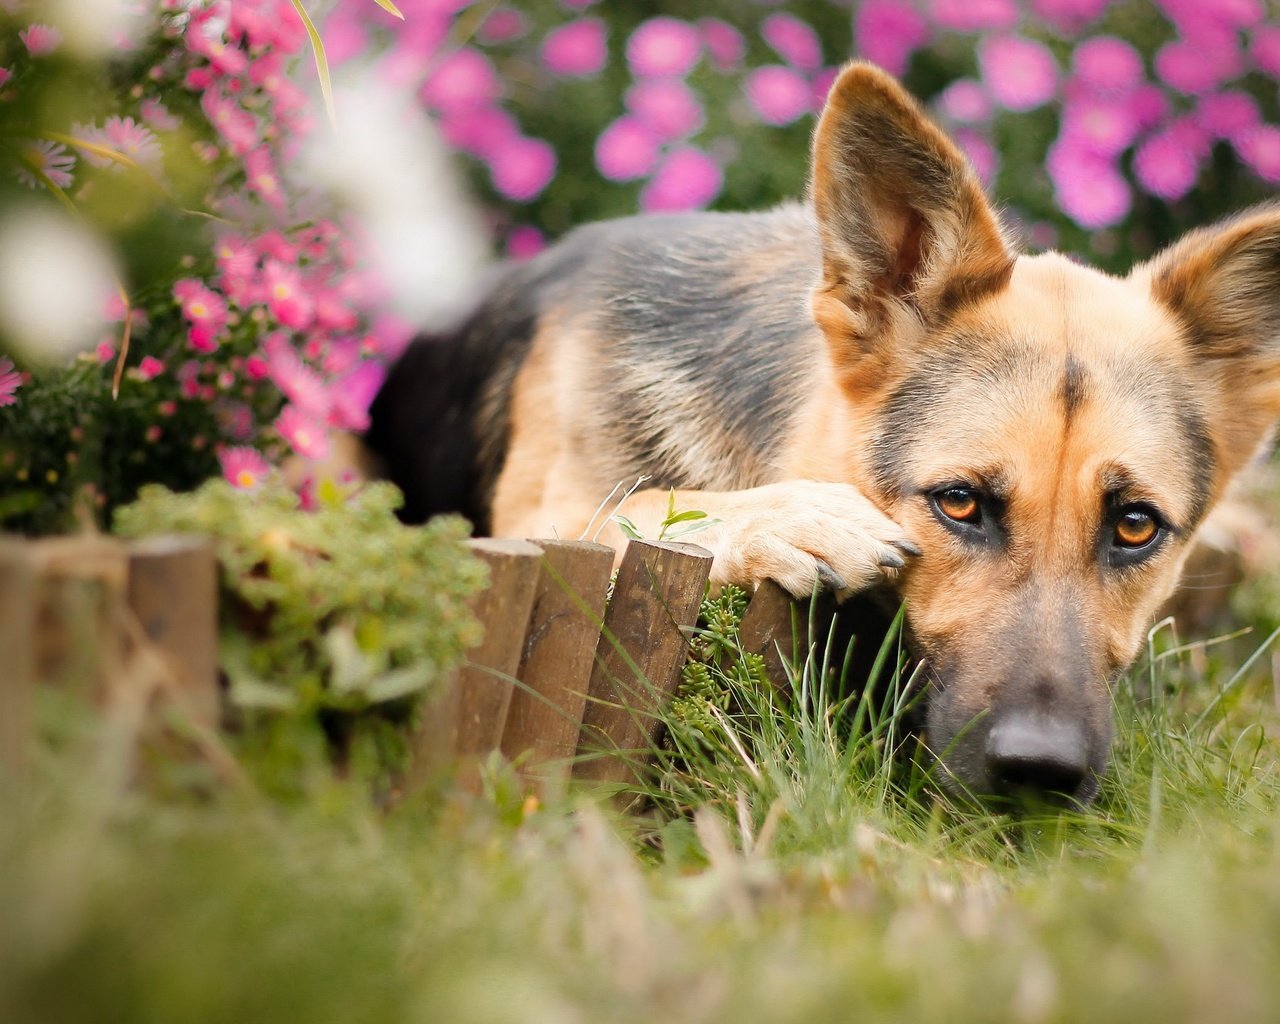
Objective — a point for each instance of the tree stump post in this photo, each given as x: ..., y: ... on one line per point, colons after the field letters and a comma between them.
x: 642, y: 649
x: 546, y: 714
x: 776, y: 626
x: 173, y: 593
x: 464, y: 723
x: 18, y: 661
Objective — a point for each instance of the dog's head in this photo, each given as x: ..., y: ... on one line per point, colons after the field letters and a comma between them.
x: 1051, y: 436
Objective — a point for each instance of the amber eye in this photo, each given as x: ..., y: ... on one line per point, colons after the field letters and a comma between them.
x: 1136, y: 528
x: 959, y: 504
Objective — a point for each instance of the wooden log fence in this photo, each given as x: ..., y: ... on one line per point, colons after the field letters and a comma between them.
x: 567, y: 682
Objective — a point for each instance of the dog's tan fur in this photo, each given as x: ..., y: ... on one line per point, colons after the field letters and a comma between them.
x: 922, y: 352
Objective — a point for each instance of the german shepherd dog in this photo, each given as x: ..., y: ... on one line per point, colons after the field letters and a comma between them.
x: 876, y: 388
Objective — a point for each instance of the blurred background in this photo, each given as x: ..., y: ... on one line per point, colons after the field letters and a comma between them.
x: 219, y: 221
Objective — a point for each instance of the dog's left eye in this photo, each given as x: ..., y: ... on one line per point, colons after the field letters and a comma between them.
x: 1136, y: 528
x: 960, y: 505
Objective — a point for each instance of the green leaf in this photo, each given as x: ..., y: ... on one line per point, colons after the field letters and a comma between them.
x: 322, y: 63
x: 684, y: 517
x: 389, y: 7
x: 628, y: 527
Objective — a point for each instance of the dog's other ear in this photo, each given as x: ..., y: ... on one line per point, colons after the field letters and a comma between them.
x: 904, y: 223
x: 1222, y: 284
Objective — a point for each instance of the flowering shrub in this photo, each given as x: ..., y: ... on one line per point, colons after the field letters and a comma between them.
x: 241, y: 321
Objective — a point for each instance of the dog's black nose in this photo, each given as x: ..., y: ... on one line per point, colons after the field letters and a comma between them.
x: 1036, y: 755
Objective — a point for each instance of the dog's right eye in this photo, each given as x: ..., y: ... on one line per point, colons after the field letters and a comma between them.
x: 959, y: 504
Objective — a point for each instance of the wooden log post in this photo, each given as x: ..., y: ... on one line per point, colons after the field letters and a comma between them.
x: 464, y: 722
x: 642, y: 649
x: 776, y: 626
x: 545, y: 717
x: 80, y: 608
x: 173, y: 593
x: 18, y: 661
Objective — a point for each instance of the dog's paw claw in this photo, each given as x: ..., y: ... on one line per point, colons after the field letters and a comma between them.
x: 829, y: 578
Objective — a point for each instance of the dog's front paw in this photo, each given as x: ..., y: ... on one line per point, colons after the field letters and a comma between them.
x: 801, y: 532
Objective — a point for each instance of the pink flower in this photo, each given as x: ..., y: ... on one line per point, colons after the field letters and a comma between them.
x: 1165, y: 166
x: 480, y: 131
x: 502, y: 26
x: 150, y: 368
x: 1227, y: 115
x: 627, y: 149
x: 125, y: 136
x: 688, y: 179
x: 260, y: 170
x: 1260, y: 149
x: 1199, y: 65
x: 724, y: 43
x: 667, y: 105
x: 820, y: 86
x: 204, y: 310
x: 1148, y: 106
x: 1020, y: 73
x: 1089, y: 189
x: 10, y: 381
x: 793, y: 40
x: 779, y: 94
x: 888, y: 32
x: 975, y: 15
x: 5, y: 75
x: 663, y: 46
x: 344, y: 36
x: 305, y: 435
x: 287, y: 296
x: 577, y: 49
x: 244, y: 468
x: 353, y: 394
x: 522, y: 168
x: 1102, y: 126
x: 237, y: 126
x: 40, y: 39
x: 524, y: 242
x: 157, y: 115
x: 1069, y: 16
x: 464, y: 78
x: 1108, y: 66
x: 104, y: 352
x: 1265, y: 49
x: 45, y: 159
x: 255, y: 368
x: 965, y: 101
x: 982, y: 155
x: 206, y: 36
x: 297, y: 381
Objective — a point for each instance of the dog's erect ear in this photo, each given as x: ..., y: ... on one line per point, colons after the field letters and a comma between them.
x: 1222, y: 283
x: 902, y: 216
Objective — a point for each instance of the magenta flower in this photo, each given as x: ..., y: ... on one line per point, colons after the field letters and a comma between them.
x: 663, y: 46
x: 255, y: 368
x: 1165, y: 166
x: 1020, y: 73
x: 464, y: 78
x: 1102, y: 126
x: 982, y: 155
x: 1148, y: 106
x: 522, y: 168
x: 287, y: 296
x: 204, y: 310
x: 44, y: 159
x: 1069, y: 16
x: 150, y: 368
x: 305, y: 435
x: 820, y: 85
x: 297, y: 381
x: 125, y: 136
x: 1227, y: 115
x: 975, y: 15
x: 10, y: 381
x: 793, y: 40
x: 1089, y: 189
x: 724, y: 43
x: 577, y: 49
x: 778, y: 94
x: 1108, y: 66
x: 627, y: 149
x: 353, y: 393
x: 524, y: 242
x: 5, y: 75
x: 480, y: 131
x: 502, y: 26
x: 1260, y: 149
x: 1202, y: 64
x: 1265, y: 49
x: 40, y: 39
x: 244, y: 468
x: 688, y: 179
x: 667, y: 105
x: 966, y: 102
x: 889, y: 32
x: 206, y: 35
x: 238, y: 128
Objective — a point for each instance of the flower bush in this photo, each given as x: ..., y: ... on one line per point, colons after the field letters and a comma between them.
x: 241, y: 320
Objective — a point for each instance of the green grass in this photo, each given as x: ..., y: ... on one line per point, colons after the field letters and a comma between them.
x: 790, y: 866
